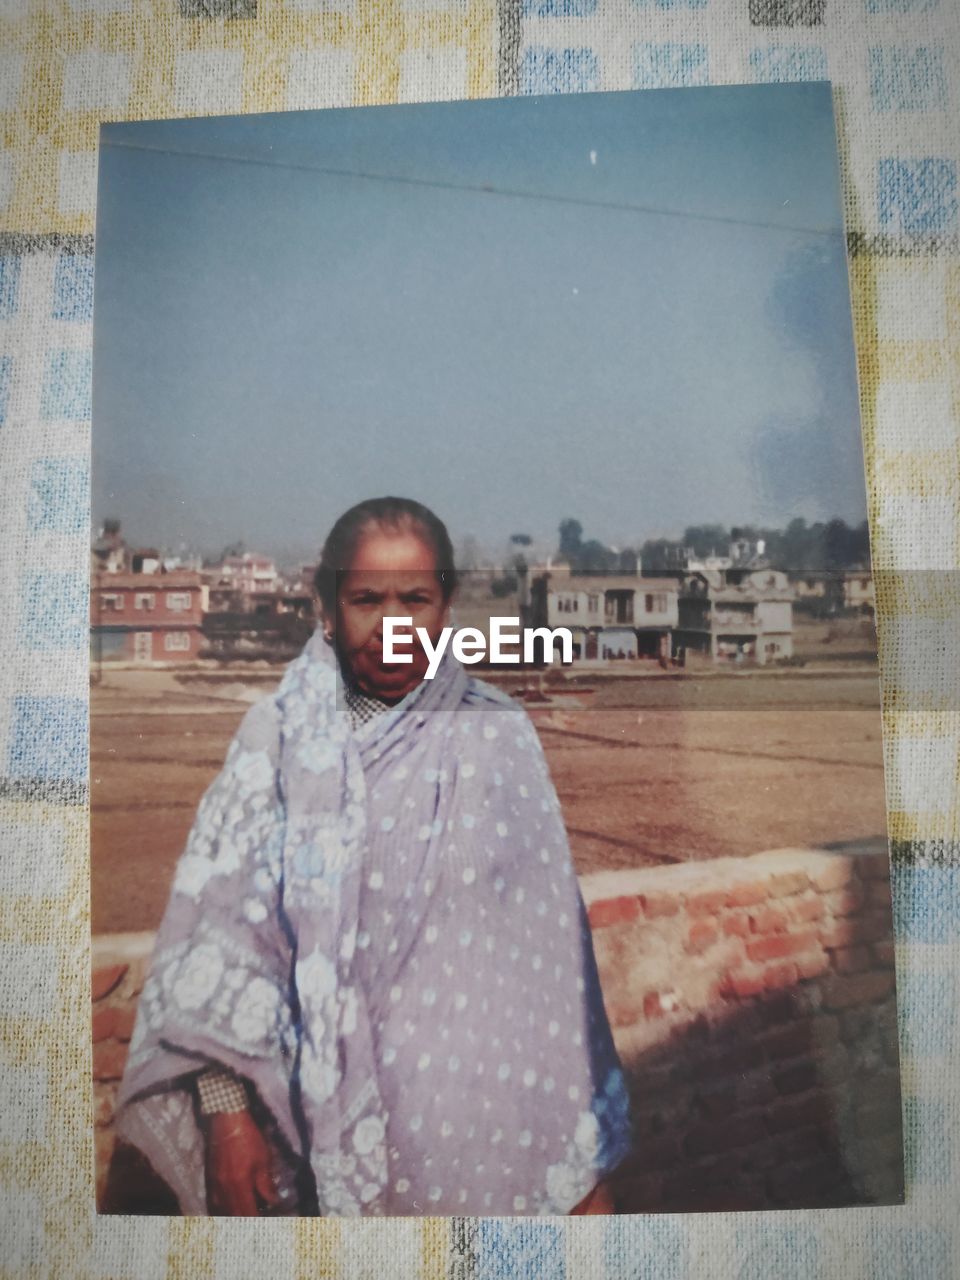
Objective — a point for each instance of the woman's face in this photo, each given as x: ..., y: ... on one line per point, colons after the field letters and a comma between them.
x: 393, y: 574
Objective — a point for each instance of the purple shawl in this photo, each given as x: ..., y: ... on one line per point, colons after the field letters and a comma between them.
x: 380, y: 930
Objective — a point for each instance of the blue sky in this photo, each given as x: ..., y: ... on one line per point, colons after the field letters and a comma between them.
x: 630, y: 308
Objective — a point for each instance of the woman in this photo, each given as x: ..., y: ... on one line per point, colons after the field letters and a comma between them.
x: 374, y: 989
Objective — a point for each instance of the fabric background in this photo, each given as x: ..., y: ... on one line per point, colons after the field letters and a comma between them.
x: 67, y: 65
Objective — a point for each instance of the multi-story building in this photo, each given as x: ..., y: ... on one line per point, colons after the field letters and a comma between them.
x: 146, y: 617
x: 610, y: 616
x: 249, y: 573
x: 736, y: 615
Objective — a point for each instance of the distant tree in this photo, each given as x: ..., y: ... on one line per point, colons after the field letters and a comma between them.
x: 232, y: 549
x: 659, y: 554
x: 706, y: 539
x: 504, y: 586
x: 571, y: 537
x: 521, y: 539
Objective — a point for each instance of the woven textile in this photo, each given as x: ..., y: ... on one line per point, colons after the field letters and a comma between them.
x: 67, y: 65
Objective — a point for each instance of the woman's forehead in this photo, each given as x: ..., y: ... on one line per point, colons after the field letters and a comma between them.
x: 383, y: 551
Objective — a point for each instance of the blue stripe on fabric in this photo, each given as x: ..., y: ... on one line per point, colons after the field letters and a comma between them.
x: 559, y: 8
x: 59, y: 500
x: 48, y: 738
x: 788, y: 63
x: 927, y: 1141
x: 638, y: 1247
x: 926, y: 903
x: 906, y: 1251
x: 6, y: 377
x: 73, y: 287
x: 66, y: 385
x: 9, y: 285
x: 54, y: 611
x: 907, y: 79
x: 918, y: 197
x: 523, y: 1248
x: 901, y: 6
x: 546, y: 70
x: 789, y: 1251
x: 671, y: 4
x: 668, y: 65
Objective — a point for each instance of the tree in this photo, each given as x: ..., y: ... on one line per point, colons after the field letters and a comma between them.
x: 571, y: 537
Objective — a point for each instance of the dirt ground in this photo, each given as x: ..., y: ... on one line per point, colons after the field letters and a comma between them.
x: 649, y: 770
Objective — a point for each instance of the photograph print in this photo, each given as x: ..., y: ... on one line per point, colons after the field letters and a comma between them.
x: 486, y: 749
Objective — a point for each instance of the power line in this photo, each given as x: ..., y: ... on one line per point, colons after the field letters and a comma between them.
x: 486, y: 189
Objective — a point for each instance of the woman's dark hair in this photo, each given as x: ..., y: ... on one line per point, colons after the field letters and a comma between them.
x: 389, y: 513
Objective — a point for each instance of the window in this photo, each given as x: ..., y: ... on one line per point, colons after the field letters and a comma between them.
x: 648, y: 603
x: 144, y: 600
x: 111, y: 604
x: 176, y: 641
x: 178, y: 601
x: 593, y: 604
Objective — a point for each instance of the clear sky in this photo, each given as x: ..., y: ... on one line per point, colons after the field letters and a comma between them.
x: 629, y: 308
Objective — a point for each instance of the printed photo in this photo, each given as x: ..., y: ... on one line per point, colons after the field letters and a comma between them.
x: 487, y: 774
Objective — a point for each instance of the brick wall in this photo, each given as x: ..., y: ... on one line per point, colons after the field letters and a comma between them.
x: 752, y: 1002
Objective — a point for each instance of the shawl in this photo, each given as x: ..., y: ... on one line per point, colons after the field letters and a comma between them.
x: 380, y: 931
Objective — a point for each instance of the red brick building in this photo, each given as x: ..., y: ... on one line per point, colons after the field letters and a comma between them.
x: 147, y: 617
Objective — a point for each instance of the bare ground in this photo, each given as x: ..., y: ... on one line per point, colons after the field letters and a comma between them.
x: 648, y: 770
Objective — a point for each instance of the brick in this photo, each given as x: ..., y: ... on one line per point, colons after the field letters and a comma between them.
x: 796, y: 1144
x: 879, y: 893
x: 852, y: 959
x: 833, y: 1066
x: 799, y: 1113
x: 755, y: 1090
x: 783, y: 884
x: 784, y: 974
x: 874, y: 866
x: 106, y: 979
x: 735, y: 1060
x: 109, y: 1059
x: 702, y: 934
x: 884, y: 954
x: 872, y: 926
x: 857, y: 1024
x: 736, y: 924
x: 653, y: 1155
x: 788, y: 1041
x: 769, y: 920
x: 748, y: 895
x: 797, y: 1078
x: 656, y: 905
x: 872, y: 1122
x: 102, y: 1023
x: 777, y: 945
x: 856, y: 989
x: 718, y: 1104
x: 709, y: 903
x: 846, y: 901
x: 882, y: 1092
x: 719, y: 1136
x: 812, y: 966
x: 613, y: 911
x: 807, y: 908
x: 825, y: 1029
x: 835, y: 874
x: 741, y: 986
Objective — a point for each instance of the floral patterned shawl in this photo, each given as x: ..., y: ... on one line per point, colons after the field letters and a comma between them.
x: 381, y: 932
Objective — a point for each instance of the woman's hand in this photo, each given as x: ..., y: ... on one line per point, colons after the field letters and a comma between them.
x: 238, y: 1167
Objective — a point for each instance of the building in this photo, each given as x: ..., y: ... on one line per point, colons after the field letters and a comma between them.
x: 249, y: 572
x: 610, y: 616
x: 858, y: 591
x: 147, y: 617
x: 736, y: 615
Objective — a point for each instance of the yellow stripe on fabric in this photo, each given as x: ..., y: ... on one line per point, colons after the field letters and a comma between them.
x: 43, y: 133
x: 192, y: 1245
x: 435, y: 1248
x: 317, y: 1249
